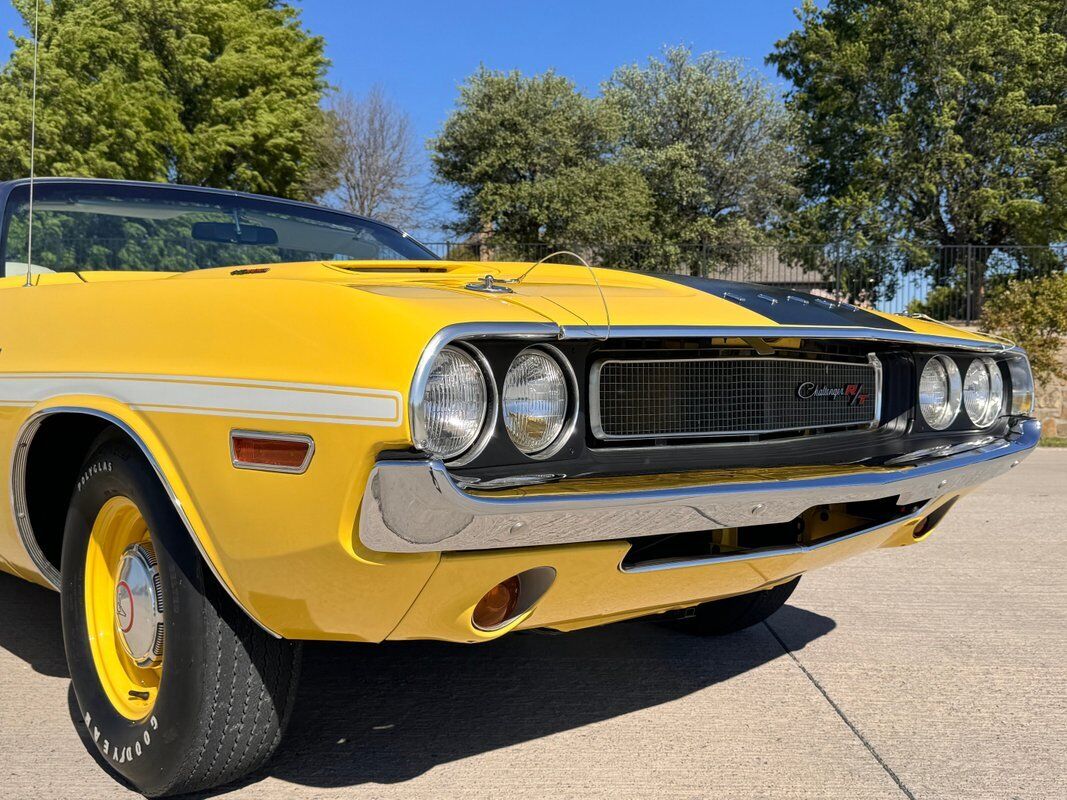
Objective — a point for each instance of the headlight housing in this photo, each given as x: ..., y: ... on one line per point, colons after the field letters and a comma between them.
x: 454, y: 404
x: 983, y: 391
x: 534, y: 401
x: 1022, y: 385
x: 939, y: 392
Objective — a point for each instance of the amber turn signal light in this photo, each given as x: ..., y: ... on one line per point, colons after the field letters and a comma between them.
x: 498, y: 605
x: 273, y: 452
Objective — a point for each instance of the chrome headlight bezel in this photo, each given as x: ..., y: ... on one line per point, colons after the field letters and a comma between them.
x: 570, y: 387
x: 953, y: 386
x: 472, y: 443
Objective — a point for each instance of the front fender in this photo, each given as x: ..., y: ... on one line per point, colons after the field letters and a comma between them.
x: 283, y: 546
x: 139, y: 430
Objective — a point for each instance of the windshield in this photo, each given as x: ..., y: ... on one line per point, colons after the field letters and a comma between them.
x: 79, y: 227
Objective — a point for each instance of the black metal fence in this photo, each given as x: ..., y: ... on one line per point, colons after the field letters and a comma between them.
x: 946, y: 282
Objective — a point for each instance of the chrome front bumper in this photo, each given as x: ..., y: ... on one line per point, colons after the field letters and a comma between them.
x: 416, y: 506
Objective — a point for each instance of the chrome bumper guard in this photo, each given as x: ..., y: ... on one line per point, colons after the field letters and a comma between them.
x: 416, y: 506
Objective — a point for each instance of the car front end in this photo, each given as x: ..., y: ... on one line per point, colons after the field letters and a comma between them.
x: 637, y: 471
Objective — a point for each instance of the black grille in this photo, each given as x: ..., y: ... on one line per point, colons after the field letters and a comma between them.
x: 728, y: 396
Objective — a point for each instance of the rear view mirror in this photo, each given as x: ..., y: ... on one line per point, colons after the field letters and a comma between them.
x: 230, y: 233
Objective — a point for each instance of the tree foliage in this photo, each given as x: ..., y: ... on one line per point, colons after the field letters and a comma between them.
x: 529, y: 161
x: 712, y: 141
x: 691, y: 150
x: 931, y: 121
x: 209, y: 92
x: 1033, y: 314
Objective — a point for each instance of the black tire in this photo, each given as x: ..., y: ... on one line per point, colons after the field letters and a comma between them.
x: 226, y: 688
x: 731, y: 614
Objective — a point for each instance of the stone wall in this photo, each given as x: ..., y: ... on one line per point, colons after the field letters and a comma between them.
x: 1052, y: 404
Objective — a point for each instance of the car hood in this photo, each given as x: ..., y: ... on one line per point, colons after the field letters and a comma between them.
x: 575, y: 296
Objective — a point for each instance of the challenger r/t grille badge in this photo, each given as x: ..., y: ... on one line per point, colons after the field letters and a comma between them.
x: 852, y: 393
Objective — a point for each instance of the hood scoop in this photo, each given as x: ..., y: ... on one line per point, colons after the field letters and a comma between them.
x: 389, y: 269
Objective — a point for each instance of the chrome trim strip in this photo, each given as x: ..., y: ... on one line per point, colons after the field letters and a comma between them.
x: 416, y: 506
x: 770, y: 552
x: 597, y: 428
x: 275, y: 437
x: 20, y: 507
x: 878, y: 388
x: 783, y: 332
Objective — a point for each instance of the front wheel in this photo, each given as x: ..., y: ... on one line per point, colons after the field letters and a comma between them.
x: 179, y: 690
x: 731, y: 614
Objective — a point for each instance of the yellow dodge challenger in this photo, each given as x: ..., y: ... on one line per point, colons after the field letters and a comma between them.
x: 232, y: 423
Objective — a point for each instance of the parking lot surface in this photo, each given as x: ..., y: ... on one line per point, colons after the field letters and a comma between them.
x: 935, y: 671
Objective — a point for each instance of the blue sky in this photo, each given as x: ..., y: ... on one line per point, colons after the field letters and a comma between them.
x: 420, y: 51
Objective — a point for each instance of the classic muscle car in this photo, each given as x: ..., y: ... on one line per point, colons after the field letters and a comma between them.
x: 234, y: 423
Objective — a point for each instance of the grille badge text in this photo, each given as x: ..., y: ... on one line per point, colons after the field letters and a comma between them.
x: 852, y: 393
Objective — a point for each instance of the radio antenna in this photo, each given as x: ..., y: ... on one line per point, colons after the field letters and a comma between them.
x: 491, y: 285
x: 592, y: 273
x: 33, y: 146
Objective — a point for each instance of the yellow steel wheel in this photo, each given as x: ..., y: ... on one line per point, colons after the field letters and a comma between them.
x: 198, y: 710
x: 124, y: 608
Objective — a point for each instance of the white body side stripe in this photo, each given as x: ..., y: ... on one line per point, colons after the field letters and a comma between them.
x: 230, y: 397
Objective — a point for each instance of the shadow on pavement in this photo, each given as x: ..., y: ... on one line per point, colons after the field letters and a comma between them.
x: 387, y: 713
x: 30, y: 627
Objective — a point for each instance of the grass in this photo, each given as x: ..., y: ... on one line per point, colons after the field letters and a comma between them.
x: 1053, y: 441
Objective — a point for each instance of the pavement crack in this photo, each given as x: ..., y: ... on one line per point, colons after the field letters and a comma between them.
x: 844, y: 718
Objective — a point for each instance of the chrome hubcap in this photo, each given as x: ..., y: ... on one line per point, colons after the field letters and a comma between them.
x: 139, y: 605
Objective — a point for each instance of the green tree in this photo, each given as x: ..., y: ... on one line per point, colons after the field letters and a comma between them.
x: 926, y: 122
x: 529, y: 159
x: 1033, y: 314
x: 209, y: 92
x: 712, y: 140
x: 684, y: 153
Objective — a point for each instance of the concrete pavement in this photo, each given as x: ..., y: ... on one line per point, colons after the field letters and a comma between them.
x: 936, y: 671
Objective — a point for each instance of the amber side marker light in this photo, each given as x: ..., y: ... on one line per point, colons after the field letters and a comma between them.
x: 512, y: 598
x: 498, y: 605
x: 271, y: 452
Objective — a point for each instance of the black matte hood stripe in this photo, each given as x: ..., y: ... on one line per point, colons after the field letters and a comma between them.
x: 785, y: 306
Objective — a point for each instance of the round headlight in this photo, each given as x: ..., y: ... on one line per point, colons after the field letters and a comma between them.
x: 983, y: 391
x: 939, y: 392
x: 453, y: 404
x: 534, y: 401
